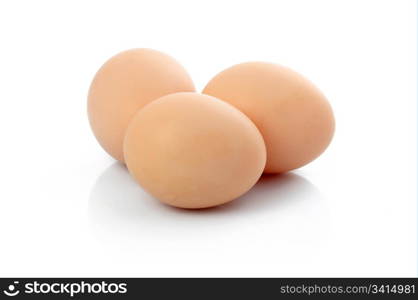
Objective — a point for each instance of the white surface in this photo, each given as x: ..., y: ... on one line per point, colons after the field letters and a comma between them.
x: 66, y: 209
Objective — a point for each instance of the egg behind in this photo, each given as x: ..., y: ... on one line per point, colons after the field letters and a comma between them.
x: 294, y: 117
x: 123, y: 85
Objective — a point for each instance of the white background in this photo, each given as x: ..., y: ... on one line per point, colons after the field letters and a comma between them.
x: 67, y: 209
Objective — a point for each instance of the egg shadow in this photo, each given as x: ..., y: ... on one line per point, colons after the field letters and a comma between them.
x: 117, y: 194
x: 271, y: 191
x: 118, y: 205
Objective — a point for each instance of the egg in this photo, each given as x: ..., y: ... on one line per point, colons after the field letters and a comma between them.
x: 294, y: 117
x: 194, y: 151
x: 124, y: 84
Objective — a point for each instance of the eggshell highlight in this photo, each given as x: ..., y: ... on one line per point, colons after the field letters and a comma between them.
x: 194, y: 151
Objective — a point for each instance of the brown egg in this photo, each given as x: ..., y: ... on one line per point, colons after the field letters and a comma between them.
x: 293, y: 116
x: 194, y: 151
x: 124, y: 84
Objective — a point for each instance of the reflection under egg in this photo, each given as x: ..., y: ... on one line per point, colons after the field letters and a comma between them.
x: 286, y: 205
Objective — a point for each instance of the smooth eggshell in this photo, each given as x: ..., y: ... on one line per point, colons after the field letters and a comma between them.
x: 124, y: 84
x: 293, y: 116
x: 194, y: 151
